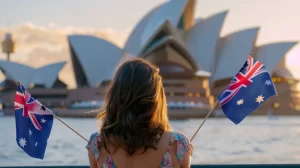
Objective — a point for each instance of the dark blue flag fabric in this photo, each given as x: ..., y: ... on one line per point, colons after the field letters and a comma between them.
x: 33, y: 124
x: 250, y: 88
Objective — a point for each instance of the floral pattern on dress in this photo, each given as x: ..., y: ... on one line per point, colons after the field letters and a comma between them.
x: 92, y: 145
x: 108, y: 163
x: 183, y: 145
x: 167, y: 162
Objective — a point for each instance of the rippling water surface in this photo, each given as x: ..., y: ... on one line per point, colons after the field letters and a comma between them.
x: 255, y: 140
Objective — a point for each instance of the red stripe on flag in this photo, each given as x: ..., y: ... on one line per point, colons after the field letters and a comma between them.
x: 34, y: 121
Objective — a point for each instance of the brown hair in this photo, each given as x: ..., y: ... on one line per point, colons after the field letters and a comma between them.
x: 135, y: 111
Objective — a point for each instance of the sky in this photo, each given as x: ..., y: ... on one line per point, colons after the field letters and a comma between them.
x: 40, y: 27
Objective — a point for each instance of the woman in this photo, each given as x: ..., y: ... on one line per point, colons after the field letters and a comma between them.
x: 135, y: 131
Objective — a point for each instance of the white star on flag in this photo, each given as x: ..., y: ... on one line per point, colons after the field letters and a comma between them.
x: 268, y: 82
x: 43, y: 120
x: 240, y: 102
x: 259, y: 99
x: 30, y: 132
x: 22, y: 142
x: 35, y: 144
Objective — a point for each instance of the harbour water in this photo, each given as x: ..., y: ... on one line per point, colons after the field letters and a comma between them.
x: 256, y: 140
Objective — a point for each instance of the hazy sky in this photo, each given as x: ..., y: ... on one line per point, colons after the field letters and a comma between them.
x: 279, y: 19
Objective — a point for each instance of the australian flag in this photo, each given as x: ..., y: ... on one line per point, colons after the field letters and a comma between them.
x: 33, y: 123
x: 250, y: 88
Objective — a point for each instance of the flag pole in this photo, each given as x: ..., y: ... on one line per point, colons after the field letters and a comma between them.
x: 19, y: 83
x: 208, y: 114
x: 67, y: 125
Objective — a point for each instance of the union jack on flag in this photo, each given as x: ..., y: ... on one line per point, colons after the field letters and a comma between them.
x: 33, y: 124
x: 250, y: 88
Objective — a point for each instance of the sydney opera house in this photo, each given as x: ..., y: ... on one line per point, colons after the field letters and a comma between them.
x: 195, y: 61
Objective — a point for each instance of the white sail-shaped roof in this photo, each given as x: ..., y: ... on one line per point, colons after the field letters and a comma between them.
x: 132, y: 44
x: 17, y: 72
x: 46, y: 75
x: 184, y: 58
x: 234, y: 50
x: 271, y: 54
x: 166, y: 28
x: 201, y: 40
x: 169, y: 34
x: 171, y: 11
x: 94, y: 56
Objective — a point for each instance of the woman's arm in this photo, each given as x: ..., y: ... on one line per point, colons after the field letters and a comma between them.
x: 187, y: 157
x: 93, y: 162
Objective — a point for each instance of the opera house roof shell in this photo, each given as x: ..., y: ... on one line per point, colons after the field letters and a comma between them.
x: 192, y: 44
x: 168, y: 36
x: 46, y: 76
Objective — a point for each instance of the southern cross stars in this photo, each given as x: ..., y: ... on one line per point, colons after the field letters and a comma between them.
x: 268, y: 82
x: 259, y: 99
x: 239, y: 102
x: 43, y: 120
x: 22, y: 142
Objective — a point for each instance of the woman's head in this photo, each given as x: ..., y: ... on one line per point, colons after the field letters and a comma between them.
x: 135, y: 110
